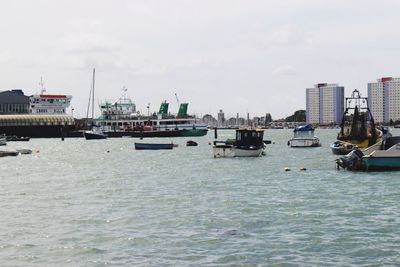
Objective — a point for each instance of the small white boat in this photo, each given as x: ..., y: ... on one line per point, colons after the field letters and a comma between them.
x: 248, y: 143
x: 304, y: 137
x: 3, y: 140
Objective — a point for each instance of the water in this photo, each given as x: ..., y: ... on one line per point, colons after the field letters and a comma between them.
x: 92, y: 203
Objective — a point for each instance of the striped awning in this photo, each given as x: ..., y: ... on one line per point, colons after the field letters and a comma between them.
x: 28, y: 119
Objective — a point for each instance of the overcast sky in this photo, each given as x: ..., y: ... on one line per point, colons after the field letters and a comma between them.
x: 255, y: 55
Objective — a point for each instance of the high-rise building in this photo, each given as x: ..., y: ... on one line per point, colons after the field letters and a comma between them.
x: 384, y: 99
x: 221, y: 118
x: 325, y: 103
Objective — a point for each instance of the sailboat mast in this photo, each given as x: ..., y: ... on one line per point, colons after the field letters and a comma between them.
x: 94, y: 72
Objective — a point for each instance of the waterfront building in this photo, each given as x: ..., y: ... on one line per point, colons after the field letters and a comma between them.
x: 384, y: 99
x: 221, y: 118
x: 325, y: 104
x: 14, y: 102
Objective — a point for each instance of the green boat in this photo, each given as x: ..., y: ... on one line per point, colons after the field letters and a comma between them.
x: 383, y: 156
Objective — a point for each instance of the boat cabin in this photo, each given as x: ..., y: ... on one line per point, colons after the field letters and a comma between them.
x: 246, y: 138
x: 303, y: 131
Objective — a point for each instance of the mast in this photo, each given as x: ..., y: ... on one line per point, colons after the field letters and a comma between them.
x: 94, y: 72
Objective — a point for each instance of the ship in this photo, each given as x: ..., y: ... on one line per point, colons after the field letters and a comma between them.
x: 43, y: 115
x: 120, y: 118
x: 359, y: 127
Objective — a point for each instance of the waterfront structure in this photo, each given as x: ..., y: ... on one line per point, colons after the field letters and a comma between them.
x: 384, y: 99
x: 14, y: 102
x: 324, y: 104
x: 221, y: 118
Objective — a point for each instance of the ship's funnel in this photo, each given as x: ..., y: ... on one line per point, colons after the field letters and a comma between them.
x: 163, y: 108
x: 183, y: 110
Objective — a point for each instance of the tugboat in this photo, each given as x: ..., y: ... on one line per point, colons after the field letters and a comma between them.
x: 248, y: 143
x: 304, y: 137
x: 358, y: 128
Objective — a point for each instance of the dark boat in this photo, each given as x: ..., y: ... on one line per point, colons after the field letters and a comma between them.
x: 14, y: 138
x: 153, y: 146
x: 93, y: 135
x: 191, y: 143
x: 4, y: 153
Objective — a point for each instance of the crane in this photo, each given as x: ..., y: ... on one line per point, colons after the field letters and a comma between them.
x: 177, y: 99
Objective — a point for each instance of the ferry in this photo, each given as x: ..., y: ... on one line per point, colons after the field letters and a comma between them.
x: 46, y: 117
x: 120, y: 118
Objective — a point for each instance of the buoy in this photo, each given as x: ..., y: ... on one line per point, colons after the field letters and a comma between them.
x: 209, y: 143
x: 303, y: 169
x: 287, y: 169
x: 108, y: 151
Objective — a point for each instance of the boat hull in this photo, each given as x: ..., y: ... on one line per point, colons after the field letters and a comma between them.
x: 93, y: 136
x: 380, y: 163
x: 150, y: 146
x: 231, y: 152
x: 304, y: 142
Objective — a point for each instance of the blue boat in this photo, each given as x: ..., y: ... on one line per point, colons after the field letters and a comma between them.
x: 153, y: 146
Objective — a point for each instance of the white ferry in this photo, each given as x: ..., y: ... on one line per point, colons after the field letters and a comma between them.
x: 49, y: 104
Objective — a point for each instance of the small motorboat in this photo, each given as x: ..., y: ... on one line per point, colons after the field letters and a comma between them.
x: 153, y: 146
x: 14, y: 138
x: 4, y: 153
x: 382, y: 156
x: 248, y: 143
x: 304, y: 137
x: 3, y: 140
x: 24, y: 151
x: 191, y: 143
x: 342, y: 147
x: 94, y: 134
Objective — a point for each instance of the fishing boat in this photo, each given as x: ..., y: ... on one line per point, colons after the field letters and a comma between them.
x: 248, y: 143
x: 342, y: 147
x: 120, y: 118
x: 382, y: 156
x: 95, y: 132
x: 153, y: 146
x: 304, y: 137
x: 359, y: 127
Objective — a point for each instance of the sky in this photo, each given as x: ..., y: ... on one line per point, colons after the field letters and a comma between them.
x: 255, y: 56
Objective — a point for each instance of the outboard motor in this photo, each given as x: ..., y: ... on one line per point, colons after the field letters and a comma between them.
x: 350, y: 160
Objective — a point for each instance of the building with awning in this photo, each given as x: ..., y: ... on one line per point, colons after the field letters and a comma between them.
x: 31, y: 120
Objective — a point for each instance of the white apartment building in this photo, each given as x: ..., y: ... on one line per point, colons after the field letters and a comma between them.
x: 384, y: 99
x: 325, y: 103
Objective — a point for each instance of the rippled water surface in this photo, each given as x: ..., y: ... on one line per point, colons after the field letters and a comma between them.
x: 91, y: 203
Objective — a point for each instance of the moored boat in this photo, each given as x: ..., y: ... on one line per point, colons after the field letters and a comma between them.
x: 4, y: 153
x: 153, y: 146
x: 3, y: 140
x: 14, y: 138
x: 248, y: 143
x: 304, y: 137
x: 359, y: 127
x: 191, y: 143
x: 342, y: 148
x: 94, y: 134
x: 120, y: 118
x: 382, y: 156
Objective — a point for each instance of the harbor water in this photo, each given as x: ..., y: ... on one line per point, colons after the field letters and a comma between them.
x: 101, y: 202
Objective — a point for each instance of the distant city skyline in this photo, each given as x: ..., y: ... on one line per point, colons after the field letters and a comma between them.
x: 239, y: 56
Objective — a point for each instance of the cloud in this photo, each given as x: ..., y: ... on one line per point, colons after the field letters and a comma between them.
x: 284, y: 70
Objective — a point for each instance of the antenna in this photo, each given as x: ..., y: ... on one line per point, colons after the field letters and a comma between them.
x: 41, y: 83
x: 148, y: 109
x: 124, y: 90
